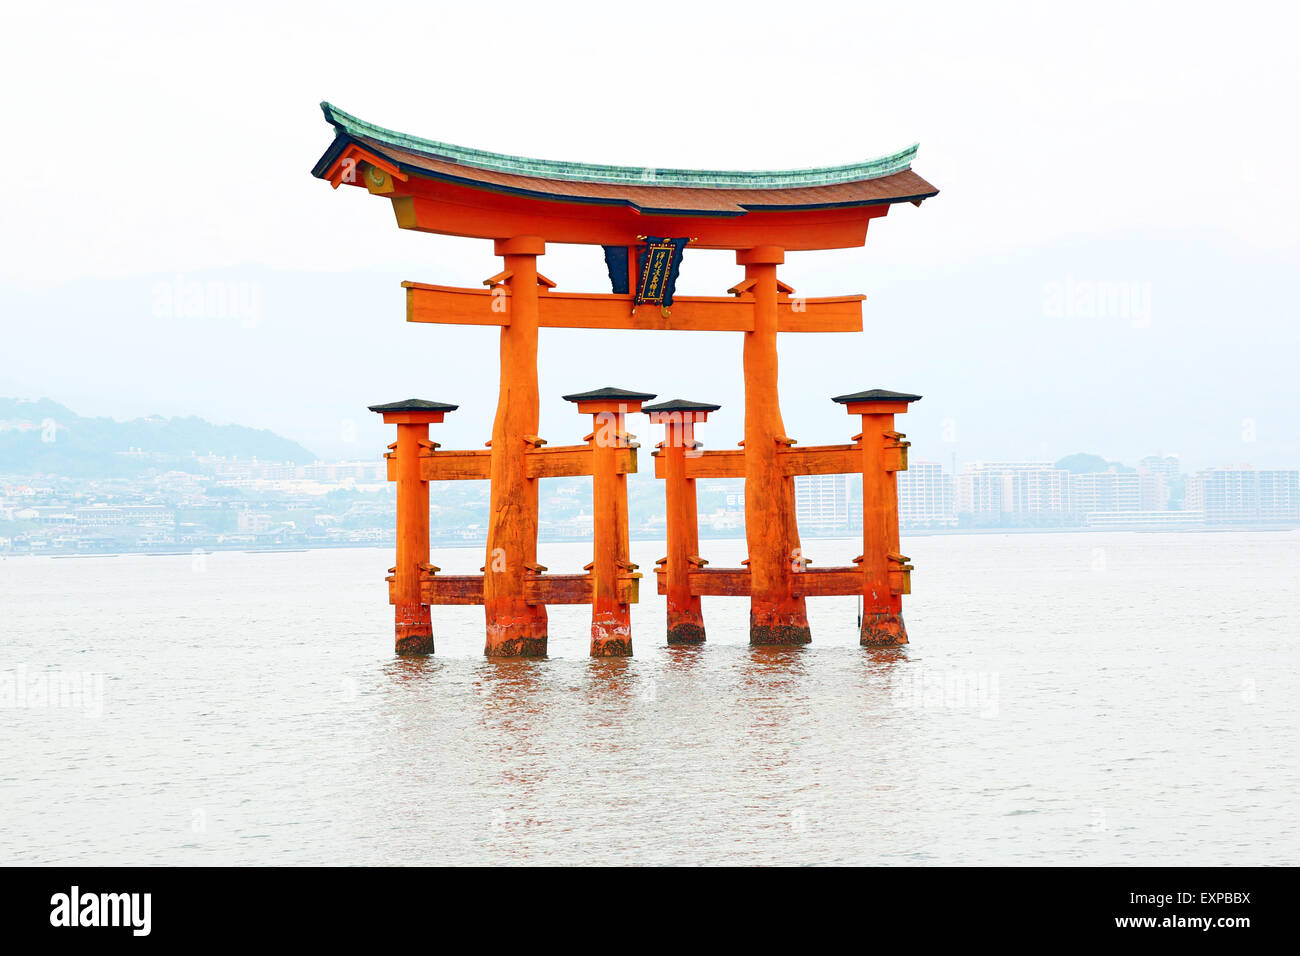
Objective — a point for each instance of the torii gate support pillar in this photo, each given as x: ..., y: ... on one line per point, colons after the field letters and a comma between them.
x: 515, y: 628
x: 776, y: 614
x: 412, y: 624
x: 886, y: 571
x: 685, y: 615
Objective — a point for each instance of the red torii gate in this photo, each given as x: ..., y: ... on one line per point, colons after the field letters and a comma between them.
x: 521, y: 204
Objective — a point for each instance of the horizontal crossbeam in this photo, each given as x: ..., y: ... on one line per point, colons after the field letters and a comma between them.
x: 564, y: 461
x: 438, y: 589
x: 813, y: 460
x: 810, y: 582
x: 450, y: 305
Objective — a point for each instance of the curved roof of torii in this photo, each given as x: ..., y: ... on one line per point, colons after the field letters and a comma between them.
x: 882, y: 181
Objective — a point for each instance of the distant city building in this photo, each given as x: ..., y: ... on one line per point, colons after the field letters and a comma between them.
x: 106, y: 516
x: 253, y: 522
x: 252, y: 469
x: 925, y: 496
x: 1170, y: 466
x: 821, y: 502
x: 1029, y: 491
x: 1108, y: 492
x: 1243, y: 494
x: 343, y: 470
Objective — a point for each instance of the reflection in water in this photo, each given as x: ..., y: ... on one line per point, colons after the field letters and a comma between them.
x: 884, y: 667
x: 684, y: 659
x: 509, y: 695
x: 610, y: 680
x: 408, y: 670
x: 774, y: 665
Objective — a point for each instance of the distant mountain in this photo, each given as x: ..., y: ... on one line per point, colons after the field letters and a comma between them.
x: 1083, y: 463
x: 44, y: 437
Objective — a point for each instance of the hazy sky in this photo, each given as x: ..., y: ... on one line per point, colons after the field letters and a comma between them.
x: 176, y: 139
x: 157, y: 137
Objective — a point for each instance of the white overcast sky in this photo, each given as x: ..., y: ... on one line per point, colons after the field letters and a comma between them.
x: 155, y: 138
x: 1153, y: 146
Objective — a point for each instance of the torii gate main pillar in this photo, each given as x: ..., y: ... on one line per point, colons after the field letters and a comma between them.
x: 776, y: 615
x: 515, y: 628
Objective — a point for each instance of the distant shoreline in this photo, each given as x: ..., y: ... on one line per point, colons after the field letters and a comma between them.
x: 918, y: 533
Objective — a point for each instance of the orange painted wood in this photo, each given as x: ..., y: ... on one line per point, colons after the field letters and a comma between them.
x: 441, y: 589
x: 776, y: 614
x: 451, y: 209
x: 539, y: 589
x: 823, y: 582
x: 571, y: 461
x: 412, y: 623
x: 735, y: 582
x: 514, y: 626
x: 685, y: 614
x: 564, y: 461
x: 558, y: 589
x: 896, y: 456
x: 813, y: 460
x: 349, y: 164
x: 575, y: 589
x: 611, y: 625
x: 576, y: 310
x: 882, y: 606
x: 720, y: 463
x: 822, y: 460
x: 456, y: 465
x: 721, y: 582
x: 824, y: 314
x: 452, y: 305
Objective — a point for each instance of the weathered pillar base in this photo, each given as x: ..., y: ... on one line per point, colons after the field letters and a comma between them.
x: 526, y: 638
x: 883, y: 629
x: 611, y: 638
x: 789, y: 628
x: 686, y: 631
x: 413, y: 628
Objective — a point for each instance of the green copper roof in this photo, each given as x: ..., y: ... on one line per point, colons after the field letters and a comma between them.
x: 353, y: 126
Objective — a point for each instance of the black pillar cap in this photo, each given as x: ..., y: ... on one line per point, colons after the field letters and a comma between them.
x: 610, y: 393
x: 681, y: 405
x: 876, y: 395
x: 414, y: 405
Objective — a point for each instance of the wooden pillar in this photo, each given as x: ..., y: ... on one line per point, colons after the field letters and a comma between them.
x: 776, y: 615
x: 412, y: 623
x: 679, y: 418
x: 885, y: 570
x: 611, y: 563
x: 514, y: 627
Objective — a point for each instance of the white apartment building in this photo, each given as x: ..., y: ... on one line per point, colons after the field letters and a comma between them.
x: 1168, y: 465
x: 925, y: 496
x: 1242, y: 494
x: 1109, y: 492
x: 253, y: 522
x: 1023, y: 489
x: 821, y: 502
